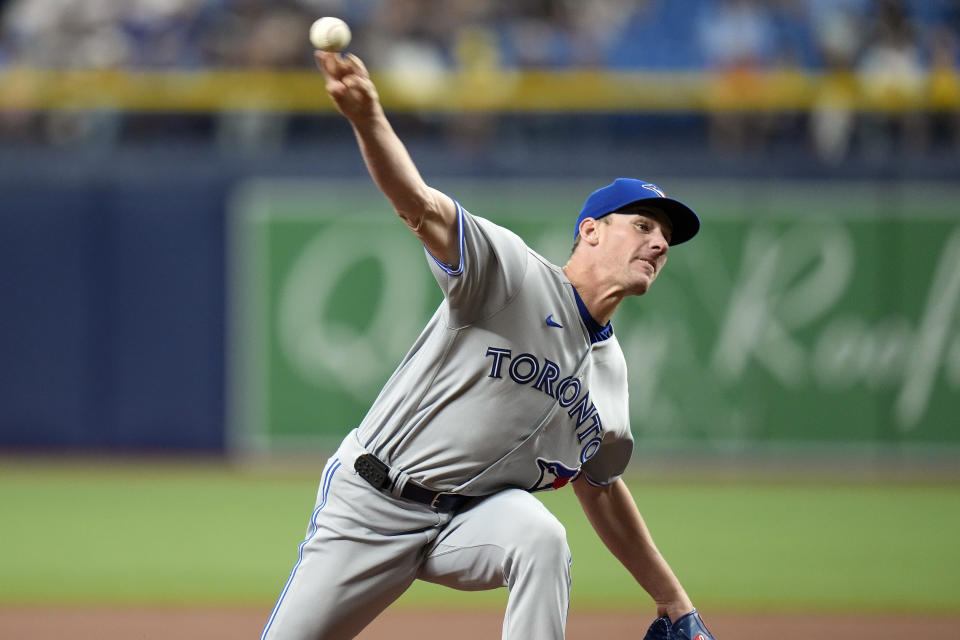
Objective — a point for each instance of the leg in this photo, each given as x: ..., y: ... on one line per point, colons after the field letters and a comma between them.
x: 508, y: 540
x: 361, y: 552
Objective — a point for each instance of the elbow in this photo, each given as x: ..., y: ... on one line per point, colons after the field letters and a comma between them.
x: 584, y: 490
x: 413, y: 220
x: 413, y: 209
x: 418, y: 208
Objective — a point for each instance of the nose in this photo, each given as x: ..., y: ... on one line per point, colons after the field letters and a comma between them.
x: 659, y: 243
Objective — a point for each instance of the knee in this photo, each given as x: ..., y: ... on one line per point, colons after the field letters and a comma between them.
x: 544, y: 544
x: 540, y: 560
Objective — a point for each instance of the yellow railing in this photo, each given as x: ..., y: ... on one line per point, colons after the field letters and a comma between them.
x: 531, y: 91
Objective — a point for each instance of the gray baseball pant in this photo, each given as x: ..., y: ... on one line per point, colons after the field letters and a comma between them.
x: 364, y: 548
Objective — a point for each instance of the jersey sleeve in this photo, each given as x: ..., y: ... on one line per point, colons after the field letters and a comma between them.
x: 492, y: 265
x: 611, y: 459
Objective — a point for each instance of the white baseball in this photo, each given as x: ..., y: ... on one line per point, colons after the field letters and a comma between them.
x: 329, y: 34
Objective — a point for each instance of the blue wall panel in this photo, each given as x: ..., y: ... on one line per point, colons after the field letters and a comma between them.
x: 111, y: 325
x: 46, y: 314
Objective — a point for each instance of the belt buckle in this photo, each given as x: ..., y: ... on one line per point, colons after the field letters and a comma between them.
x: 436, y: 498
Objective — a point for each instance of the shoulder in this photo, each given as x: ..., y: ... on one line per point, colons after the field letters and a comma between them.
x: 493, y: 247
x: 496, y: 233
x: 609, y: 353
x: 610, y: 366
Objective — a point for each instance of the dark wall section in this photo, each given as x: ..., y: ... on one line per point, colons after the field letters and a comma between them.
x: 111, y: 329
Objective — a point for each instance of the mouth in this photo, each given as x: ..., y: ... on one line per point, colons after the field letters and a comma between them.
x: 649, y: 262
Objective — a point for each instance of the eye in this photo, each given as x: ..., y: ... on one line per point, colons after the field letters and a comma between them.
x: 644, y: 226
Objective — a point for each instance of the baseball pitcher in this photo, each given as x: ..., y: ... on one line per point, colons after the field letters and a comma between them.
x: 517, y: 384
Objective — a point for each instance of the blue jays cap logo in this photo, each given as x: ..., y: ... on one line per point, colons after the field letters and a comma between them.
x: 553, y: 475
x: 657, y: 190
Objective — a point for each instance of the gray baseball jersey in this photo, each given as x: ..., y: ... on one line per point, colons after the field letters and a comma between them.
x: 511, y: 383
x: 512, y: 387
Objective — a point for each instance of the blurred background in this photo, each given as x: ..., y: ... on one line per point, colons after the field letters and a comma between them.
x: 168, y: 164
x: 195, y: 264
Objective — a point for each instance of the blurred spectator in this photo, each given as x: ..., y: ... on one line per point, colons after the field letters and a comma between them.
x: 539, y: 36
x: 738, y: 38
x: 944, y: 87
x: 411, y: 39
x: 892, y: 81
x: 593, y: 27
x: 838, y: 26
x: 256, y: 34
x: 736, y: 32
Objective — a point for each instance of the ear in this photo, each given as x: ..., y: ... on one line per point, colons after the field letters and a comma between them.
x: 589, y: 231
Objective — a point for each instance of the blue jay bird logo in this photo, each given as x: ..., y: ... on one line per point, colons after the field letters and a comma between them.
x: 657, y: 190
x: 553, y: 475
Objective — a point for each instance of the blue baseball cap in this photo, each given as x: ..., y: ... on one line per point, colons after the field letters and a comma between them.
x: 626, y: 191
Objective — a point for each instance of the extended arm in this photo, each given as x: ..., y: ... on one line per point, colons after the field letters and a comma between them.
x: 431, y: 215
x: 617, y: 520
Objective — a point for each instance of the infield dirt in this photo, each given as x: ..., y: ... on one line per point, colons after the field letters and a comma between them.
x: 38, y: 623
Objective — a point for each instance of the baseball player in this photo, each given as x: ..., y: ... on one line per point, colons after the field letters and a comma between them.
x: 517, y: 384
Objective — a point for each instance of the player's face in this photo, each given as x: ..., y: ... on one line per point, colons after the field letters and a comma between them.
x: 636, y: 248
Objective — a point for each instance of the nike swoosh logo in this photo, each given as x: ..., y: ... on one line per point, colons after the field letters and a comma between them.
x: 553, y: 323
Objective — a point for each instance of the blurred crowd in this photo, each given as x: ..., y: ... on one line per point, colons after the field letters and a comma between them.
x: 902, y: 51
x: 631, y: 34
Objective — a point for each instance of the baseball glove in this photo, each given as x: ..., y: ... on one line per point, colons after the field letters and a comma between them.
x: 688, y: 627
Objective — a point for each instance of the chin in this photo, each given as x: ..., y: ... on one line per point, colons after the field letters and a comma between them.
x: 642, y: 281
x: 640, y: 288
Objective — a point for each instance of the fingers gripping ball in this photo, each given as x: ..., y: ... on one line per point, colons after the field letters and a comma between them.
x: 329, y: 34
x: 688, y: 627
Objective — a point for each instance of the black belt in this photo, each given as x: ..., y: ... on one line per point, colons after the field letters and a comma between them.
x: 377, y: 473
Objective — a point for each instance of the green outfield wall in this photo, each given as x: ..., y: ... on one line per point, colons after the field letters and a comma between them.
x: 803, y: 316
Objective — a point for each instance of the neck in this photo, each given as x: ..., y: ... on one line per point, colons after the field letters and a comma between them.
x: 600, y: 301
